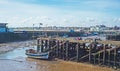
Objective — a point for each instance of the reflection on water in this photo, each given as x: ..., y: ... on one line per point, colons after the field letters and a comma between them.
x: 19, y: 52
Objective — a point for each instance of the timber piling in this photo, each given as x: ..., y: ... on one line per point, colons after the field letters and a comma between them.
x: 94, y: 53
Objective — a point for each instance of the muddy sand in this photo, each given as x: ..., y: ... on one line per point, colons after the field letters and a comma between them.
x: 5, y: 47
x: 27, y: 64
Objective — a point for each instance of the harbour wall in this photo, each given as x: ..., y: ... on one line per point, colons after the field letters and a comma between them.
x: 28, y: 35
x: 21, y: 36
x: 12, y: 37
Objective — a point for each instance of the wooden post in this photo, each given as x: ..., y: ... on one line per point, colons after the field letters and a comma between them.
x: 99, y: 58
x: 63, y: 52
x: 90, y: 53
x: 38, y: 45
x: 104, y: 48
x: 115, y: 53
x: 94, y: 58
x: 77, y: 46
x: 67, y: 50
x: 119, y: 57
x: 57, y: 48
x: 42, y: 45
x: 83, y: 45
x: 61, y: 49
x: 108, y: 58
x: 46, y: 43
x: 50, y: 44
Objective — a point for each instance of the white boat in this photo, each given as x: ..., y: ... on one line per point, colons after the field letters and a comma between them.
x: 33, y: 54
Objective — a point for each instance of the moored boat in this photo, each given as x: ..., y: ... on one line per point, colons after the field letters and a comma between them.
x: 38, y: 55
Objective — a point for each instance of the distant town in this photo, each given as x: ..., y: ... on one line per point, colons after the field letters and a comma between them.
x: 98, y: 28
x: 109, y: 33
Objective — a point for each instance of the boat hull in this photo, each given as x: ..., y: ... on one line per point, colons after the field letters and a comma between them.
x: 38, y: 55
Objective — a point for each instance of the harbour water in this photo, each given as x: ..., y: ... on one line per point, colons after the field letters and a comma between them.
x: 19, y: 52
x: 16, y: 60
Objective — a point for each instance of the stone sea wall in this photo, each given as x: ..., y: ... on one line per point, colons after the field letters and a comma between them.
x: 12, y: 37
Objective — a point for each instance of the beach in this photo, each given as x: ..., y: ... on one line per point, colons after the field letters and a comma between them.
x: 41, y: 65
x: 27, y: 64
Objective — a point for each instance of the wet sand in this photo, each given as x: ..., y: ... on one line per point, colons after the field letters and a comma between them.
x: 5, y: 47
x: 27, y: 64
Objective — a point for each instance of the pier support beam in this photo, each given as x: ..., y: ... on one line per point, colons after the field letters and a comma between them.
x: 76, y: 51
x: 90, y: 53
x: 115, y: 54
x: 67, y: 50
x: 42, y: 46
x: 109, y: 54
x: 46, y: 45
x: 57, y: 48
x: 104, y: 54
x: 77, y: 46
x: 38, y: 45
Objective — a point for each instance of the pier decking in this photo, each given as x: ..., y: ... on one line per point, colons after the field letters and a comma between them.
x: 105, y: 53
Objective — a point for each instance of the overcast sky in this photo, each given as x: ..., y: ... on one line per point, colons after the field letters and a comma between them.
x: 80, y: 13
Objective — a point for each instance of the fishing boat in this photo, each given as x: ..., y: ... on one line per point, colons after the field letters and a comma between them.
x: 38, y: 55
x: 35, y: 53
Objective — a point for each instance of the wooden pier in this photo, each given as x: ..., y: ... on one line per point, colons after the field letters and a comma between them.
x: 100, y: 53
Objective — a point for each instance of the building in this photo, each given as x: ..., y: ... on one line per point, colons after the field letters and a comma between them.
x: 98, y: 28
x: 94, y: 28
x: 3, y: 27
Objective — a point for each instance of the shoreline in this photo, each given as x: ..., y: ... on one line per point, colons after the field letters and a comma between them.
x: 28, y: 64
x: 31, y: 64
x: 6, y: 47
x: 88, y: 65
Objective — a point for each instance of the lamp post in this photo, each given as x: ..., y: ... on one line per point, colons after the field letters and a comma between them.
x: 33, y: 31
x: 39, y: 28
x: 46, y: 31
x: 40, y: 25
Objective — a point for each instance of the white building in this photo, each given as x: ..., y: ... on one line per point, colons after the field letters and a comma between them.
x: 98, y: 28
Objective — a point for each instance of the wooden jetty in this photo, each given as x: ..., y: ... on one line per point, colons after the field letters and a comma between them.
x: 105, y: 53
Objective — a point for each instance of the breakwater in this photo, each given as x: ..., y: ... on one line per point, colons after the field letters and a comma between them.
x: 105, y: 53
